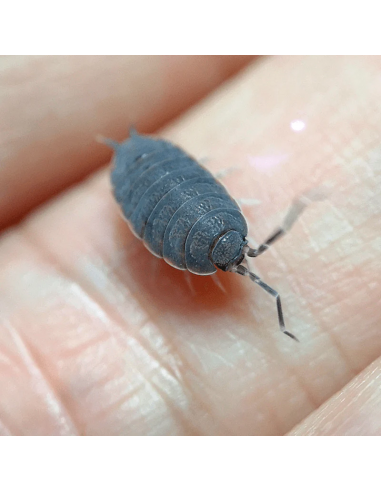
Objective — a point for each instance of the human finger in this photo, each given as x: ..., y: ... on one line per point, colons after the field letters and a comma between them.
x: 119, y: 335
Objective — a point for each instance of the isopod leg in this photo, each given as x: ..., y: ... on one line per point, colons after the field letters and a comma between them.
x: 246, y: 273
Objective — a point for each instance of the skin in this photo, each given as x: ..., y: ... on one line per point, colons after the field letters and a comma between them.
x: 97, y: 336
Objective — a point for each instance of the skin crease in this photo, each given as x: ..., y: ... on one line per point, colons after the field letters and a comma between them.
x: 353, y: 411
x: 97, y: 336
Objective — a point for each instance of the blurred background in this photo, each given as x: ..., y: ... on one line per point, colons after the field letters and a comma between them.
x: 52, y: 108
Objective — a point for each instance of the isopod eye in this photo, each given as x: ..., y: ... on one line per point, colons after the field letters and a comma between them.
x: 227, y: 251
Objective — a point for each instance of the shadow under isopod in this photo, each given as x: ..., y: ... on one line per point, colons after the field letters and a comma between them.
x: 170, y: 290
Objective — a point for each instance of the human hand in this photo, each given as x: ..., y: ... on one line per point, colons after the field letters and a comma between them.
x: 97, y: 336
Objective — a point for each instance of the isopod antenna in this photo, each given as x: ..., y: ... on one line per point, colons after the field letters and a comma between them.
x: 241, y: 270
x: 295, y: 211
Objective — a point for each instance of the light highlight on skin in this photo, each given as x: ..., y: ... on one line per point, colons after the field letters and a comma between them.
x: 297, y: 125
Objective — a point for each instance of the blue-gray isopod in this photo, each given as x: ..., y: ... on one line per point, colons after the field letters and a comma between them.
x: 182, y: 213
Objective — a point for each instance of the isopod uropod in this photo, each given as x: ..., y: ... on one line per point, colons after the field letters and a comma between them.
x: 183, y: 214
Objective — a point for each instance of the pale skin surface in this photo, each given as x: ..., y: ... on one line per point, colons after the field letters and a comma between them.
x: 97, y: 336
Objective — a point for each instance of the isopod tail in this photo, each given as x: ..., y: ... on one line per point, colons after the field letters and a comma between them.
x: 107, y: 141
x: 132, y: 131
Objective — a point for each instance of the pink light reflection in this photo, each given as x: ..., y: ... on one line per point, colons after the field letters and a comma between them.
x: 267, y: 162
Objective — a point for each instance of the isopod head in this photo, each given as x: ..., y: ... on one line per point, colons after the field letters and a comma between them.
x: 227, y: 251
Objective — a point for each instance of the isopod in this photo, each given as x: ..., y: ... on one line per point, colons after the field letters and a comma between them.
x: 183, y: 214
